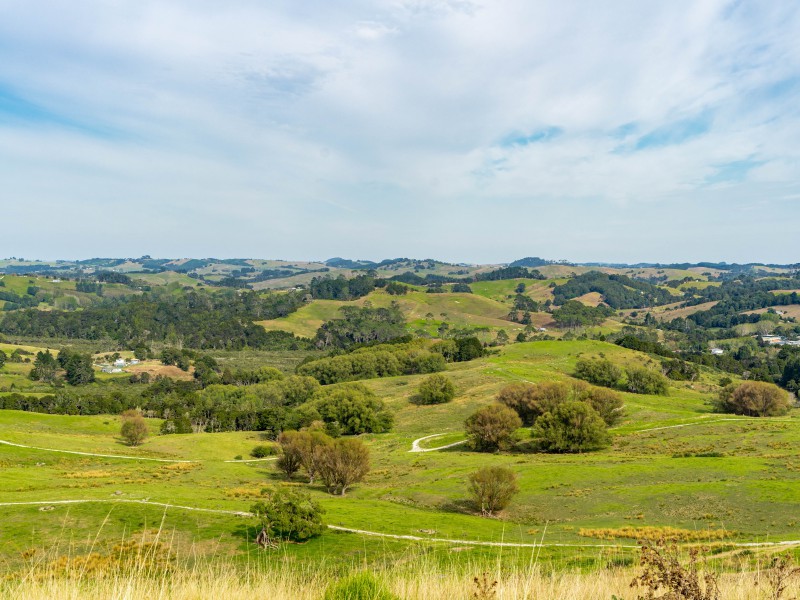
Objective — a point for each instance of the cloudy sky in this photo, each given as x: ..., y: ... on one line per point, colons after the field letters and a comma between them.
x: 467, y: 131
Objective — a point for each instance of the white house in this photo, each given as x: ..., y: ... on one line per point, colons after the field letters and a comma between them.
x: 120, y: 362
x: 717, y: 351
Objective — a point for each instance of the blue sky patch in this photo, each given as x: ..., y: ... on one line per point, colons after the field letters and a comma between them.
x: 540, y: 135
x: 676, y: 132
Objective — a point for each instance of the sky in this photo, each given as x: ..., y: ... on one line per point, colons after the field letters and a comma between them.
x: 618, y: 131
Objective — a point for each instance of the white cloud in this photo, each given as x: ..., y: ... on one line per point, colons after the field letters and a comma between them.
x: 377, y: 129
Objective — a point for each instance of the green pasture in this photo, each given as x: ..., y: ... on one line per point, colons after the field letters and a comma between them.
x: 672, y: 463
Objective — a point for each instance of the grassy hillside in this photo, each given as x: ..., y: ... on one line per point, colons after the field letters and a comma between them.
x: 459, y: 310
x: 673, y: 463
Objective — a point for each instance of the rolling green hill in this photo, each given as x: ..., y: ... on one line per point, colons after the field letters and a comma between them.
x: 673, y: 463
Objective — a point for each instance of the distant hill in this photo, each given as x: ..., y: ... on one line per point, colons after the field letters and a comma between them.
x: 533, y: 261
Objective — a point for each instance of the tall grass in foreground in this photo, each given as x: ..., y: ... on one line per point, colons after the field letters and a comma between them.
x: 151, y: 566
x: 220, y: 583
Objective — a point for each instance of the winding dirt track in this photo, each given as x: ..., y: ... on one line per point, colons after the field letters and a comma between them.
x: 414, y: 538
x: 168, y: 460
x: 415, y: 447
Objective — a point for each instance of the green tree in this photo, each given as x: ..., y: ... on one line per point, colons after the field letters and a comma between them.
x: 645, y: 381
x: 134, y: 428
x: 599, y: 371
x: 288, y: 515
x: 491, y: 428
x: 491, y: 488
x: 290, y: 460
x: 572, y: 427
x: 45, y: 367
x: 354, y: 408
x: 343, y: 463
x: 3, y: 358
x: 607, y: 403
x: 435, y: 389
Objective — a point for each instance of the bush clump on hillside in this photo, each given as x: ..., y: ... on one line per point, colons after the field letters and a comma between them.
x: 262, y: 451
x: 532, y: 400
x: 598, y: 371
x: 287, y: 515
x: 352, y: 408
x: 436, y: 389
x: 645, y: 381
x: 492, y: 428
x: 754, y: 399
x: 386, y: 360
x: 491, y: 488
x: 134, y: 427
x: 572, y: 427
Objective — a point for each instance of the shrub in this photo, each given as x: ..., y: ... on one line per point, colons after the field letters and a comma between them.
x: 492, y: 427
x: 289, y: 515
x: 343, y: 463
x: 645, y: 381
x: 680, y: 370
x: 572, y: 427
x: 354, y: 408
x: 607, y: 403
x: 754, y: 399
x: 436, y: 389
x: 599, y: 371
x: 134, y: 427
x: 262, y: 451
x: 532, y: 400
x: 360, y: 586
x: 491, y: 488
x: 468, y: 349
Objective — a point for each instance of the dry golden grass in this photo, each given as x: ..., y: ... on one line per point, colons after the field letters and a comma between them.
x: 669, y: 534
x: 228, y: 583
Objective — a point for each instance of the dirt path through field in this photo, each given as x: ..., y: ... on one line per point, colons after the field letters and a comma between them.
x: 415, y: 447
x: 414, y: 538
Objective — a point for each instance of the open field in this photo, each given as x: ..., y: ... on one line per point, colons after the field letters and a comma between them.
x: 657, y: 473
x: 460, y: 310
x: 789, y: 310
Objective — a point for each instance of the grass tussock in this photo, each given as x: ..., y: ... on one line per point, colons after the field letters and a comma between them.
x: 669, y: 534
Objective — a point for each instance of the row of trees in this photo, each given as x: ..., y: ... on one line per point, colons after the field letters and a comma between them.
x: 194, y: 318
x: 76, y: 367
x: 386, y: 360
x: 638, y: 380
